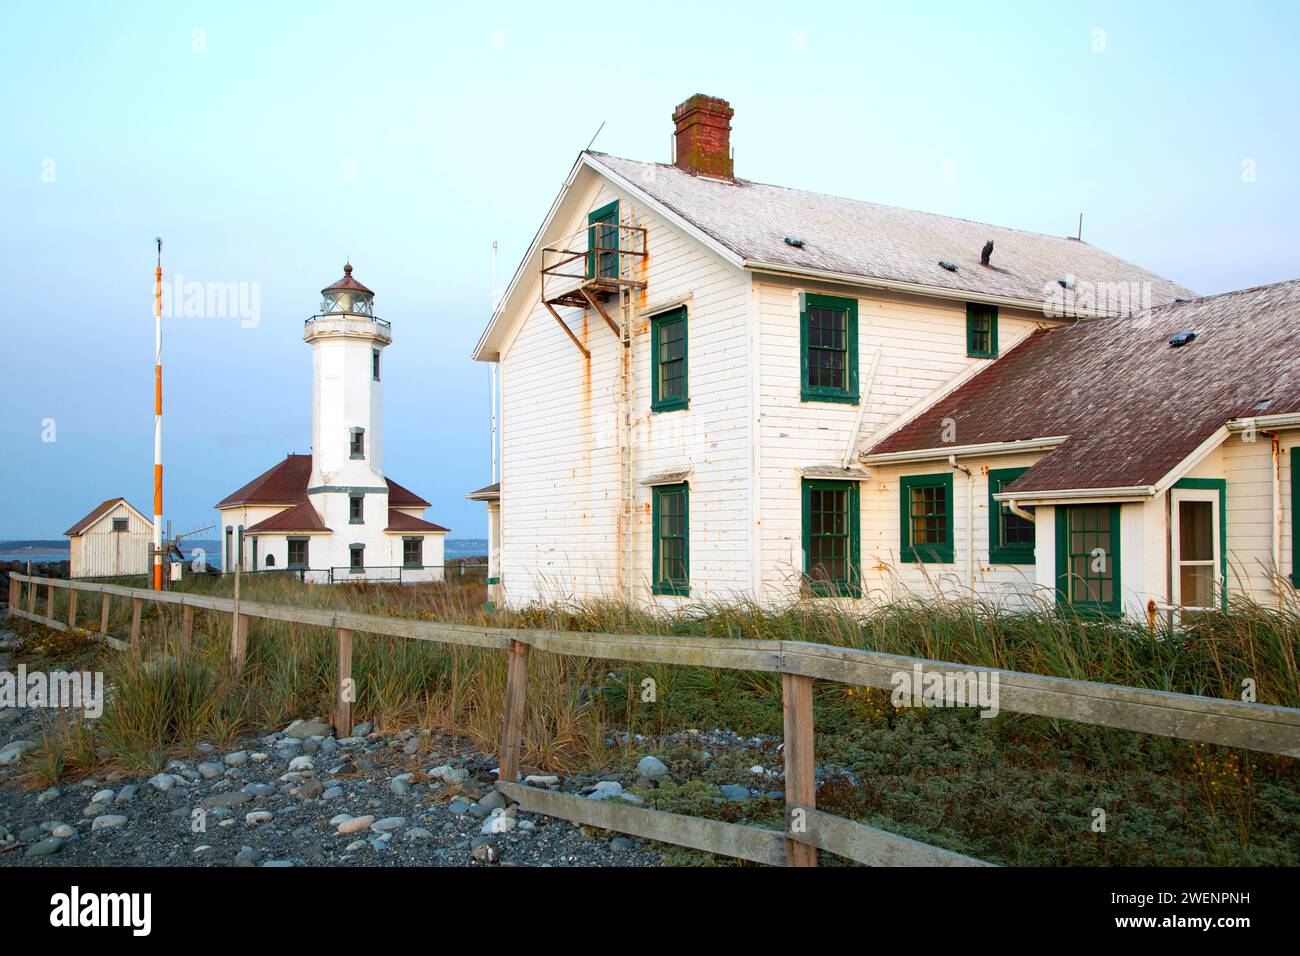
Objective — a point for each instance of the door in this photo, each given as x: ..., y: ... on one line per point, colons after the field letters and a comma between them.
x: 1196, y: 560
x: 602, y: 242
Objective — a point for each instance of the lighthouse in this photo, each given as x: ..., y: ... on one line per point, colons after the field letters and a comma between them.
x: 333, y: 515
x: 346, y: 486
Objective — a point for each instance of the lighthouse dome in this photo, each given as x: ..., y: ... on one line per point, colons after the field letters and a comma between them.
x: 347, y: 296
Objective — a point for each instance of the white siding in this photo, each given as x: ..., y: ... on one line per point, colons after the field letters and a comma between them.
x: 922, y: 347
x: 102, y: 552
x: 561, y: 481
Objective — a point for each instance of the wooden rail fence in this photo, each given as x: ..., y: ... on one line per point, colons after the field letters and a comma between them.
x: 1230, y: 723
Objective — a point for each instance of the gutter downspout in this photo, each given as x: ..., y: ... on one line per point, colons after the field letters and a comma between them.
x: 1277, y: 515
x: 970, y: 522
x: 862, y: 409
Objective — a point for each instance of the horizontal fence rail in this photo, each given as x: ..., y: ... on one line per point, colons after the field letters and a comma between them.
x: 1260, y: 727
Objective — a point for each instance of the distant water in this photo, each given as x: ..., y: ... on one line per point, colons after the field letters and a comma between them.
x: 47, y: 552
x: 35, y: 557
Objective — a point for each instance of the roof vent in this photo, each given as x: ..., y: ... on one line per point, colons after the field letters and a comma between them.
x: 986, y: 253
x: 1262, y: 404
x: 1181, y: 339
x: 1065, y: 283
x: 950, y: 266
x: 794, y: 241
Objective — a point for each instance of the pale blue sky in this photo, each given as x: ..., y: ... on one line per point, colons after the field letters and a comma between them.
x: 459, y: 124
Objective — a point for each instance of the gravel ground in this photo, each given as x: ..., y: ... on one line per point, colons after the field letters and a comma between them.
x: 295, y: 796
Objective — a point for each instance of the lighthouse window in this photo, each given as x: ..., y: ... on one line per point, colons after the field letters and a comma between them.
x: 357, y: 553
x: 413, y: 552
x: 356, y: 509
x: 358, y: 443
x: 374, y: 364
x: 298, y: 552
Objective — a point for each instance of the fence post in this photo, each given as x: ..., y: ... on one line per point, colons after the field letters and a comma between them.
x: 800, y: 783
x: 512, y: 721
x: 72, y: 608
x: 187, y: 626
x: 31, y: 593
x: 346, y: 694
x: 135, y: 620
x: 238, y: 639
x: 104, y: 600
x: 49, y: 600
x: 13, y: 592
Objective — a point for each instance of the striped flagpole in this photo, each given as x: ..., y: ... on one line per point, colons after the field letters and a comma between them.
x: 157, y: 425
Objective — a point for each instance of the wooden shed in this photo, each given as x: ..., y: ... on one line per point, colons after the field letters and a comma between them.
x: 112, y: 540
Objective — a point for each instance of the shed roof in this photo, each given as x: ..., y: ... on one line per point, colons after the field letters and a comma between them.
x: 1132, y: 407
x: 82, y: 526
x: 851, y: 237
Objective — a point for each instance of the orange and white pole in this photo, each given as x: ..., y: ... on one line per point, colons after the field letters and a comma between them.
x: 157, y: 425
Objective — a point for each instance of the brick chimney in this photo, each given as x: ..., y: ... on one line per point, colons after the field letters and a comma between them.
x: 704, y: 136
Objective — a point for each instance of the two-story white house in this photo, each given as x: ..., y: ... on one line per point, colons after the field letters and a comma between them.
x: 706, y: 387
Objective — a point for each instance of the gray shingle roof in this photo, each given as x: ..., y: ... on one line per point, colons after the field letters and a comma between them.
x: 1132, y: 406
x: 865, y: 239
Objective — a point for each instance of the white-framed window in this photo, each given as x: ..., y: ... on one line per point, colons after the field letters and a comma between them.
x: 1196, y: 547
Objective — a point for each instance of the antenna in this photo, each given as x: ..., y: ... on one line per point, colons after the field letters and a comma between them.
x: 1079, y: 235
x: 157, y: 424
x: 593, y: 139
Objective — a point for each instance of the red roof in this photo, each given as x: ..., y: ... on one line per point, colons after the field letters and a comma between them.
x: 347, y: 283
x: 301, y: 517
x: 283, y: 484
x: 399, y: 497
x: 1132, y: 406
x: 401, y: 521
x: 98, y: 512
x: 286, y: 484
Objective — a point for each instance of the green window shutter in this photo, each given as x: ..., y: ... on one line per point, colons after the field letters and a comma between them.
x: 1295, y: 517
x: 671, y: 533
x: 981, y: 330
x: 602, y: 242
x: 1011, y: 537
x: 925, y: 534
x: 828, y: 349
x: 831, y: 538
x: 668, y: 361
x: 1089, y: 583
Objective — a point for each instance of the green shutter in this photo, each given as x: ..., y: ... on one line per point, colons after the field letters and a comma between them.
x: 934, y: 517
x: 828, y: 349
x: 1072, y: 539
x: 1001, y: 550
x: 981, y: 330
x: 831, y: 552
x: 669, y: 389
x: 671, y: 533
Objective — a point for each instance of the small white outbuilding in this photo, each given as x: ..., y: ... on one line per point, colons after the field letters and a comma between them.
x: 112, y: 540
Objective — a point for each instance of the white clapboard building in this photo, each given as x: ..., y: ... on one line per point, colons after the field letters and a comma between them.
x: 333, y: 515
x: 713, y: 388
x: 112, y: 540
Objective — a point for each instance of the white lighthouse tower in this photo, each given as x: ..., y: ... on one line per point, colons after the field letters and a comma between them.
x: 332, y: 515
x: 347, y: 486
